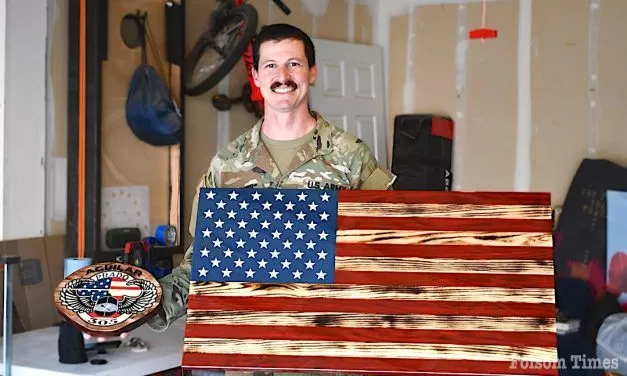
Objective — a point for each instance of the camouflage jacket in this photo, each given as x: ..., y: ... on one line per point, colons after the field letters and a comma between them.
x: 334, y: 159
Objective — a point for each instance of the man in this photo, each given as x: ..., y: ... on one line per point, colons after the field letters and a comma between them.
x: 290, y: 147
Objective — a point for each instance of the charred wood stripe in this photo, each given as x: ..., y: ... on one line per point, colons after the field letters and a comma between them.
x: 375, y: 292
x: 282, y: 332
x: 372, y: 321
x: 409, y: 237
x: 432, y: 265
x: 357, y: 349
x: 466, y: 252
x: 405, y: 210
x: 369, y: 366
x: 457, y: 198
x: 515, y: 281
x: 444, y: 224
x: 543, y: 312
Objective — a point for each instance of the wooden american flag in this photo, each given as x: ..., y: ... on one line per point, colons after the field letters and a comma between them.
x: 415, y: 282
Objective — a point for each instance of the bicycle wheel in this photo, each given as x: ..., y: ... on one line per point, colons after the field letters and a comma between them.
x: 211, y: 59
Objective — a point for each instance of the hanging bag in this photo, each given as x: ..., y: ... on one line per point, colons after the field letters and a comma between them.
x: 151, y: 113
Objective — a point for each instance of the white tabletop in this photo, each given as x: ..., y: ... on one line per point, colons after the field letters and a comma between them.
x: 35, y: 353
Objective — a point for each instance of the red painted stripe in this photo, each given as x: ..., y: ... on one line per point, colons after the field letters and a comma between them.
x: 371, y: 335
x: 465, y: 252
x: 443, y: 197
x: 543, y: 311
x: 444, y: 279
x: 369, y: 365
x: 443, y: 224
x: 120, y: 287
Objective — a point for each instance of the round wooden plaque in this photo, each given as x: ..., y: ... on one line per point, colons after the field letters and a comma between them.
x: 108, y: 299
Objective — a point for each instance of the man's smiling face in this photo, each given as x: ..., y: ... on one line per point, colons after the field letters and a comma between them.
x: 284, y: 75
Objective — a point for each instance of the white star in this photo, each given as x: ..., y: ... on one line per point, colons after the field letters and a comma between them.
x: 310, y: 264
x: 289, y: 206
x: 325, y: 197
x: 240, y: 243
x: 206, y: 233
x: 298, y: 254
x: 297, y: 274
x: 324, y: 216
x: 231, y: 214
x: 300, y: 234
x: 228, y: 253
x: 203, y: 272
x: 279, y: 196
x: 239, y: 263
x: 208, y: 214
x: 250, y: 273
x: 286, y: 264
x: 221, y: 204
x: 278, y: 215
x: 219, y: 223
x: 288, y: 224
x: 266, y: 205
x: 252, y: 234
x: 226, y: 273
x: 301, y: 216
x: 256, y: 196
x: 302, y: 196
x: 215, y: 262
x: 217, y: 243
x: 251, y: 253
x: 242, y: 223
x: 243, y: 205
x: 262, y: 263
x: 287, y: 244
x: 210, y: 195
x: 265, y: 224
x: 275, y: 254
x: 264, y: 243
x: 233, y: 195
x: 230, y: 233
x: 323, y: 235
x: 276, y: 234
x: 204, y: 252
x: 310, y: 244
x: 254, y: 214
x: 311, y: 225
x: 322, y: 255
x: 321, y: 274
x: 274, y: 273
x: 313, y: 206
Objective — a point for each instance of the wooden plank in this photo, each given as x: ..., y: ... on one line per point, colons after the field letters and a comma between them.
x: 414, y: 281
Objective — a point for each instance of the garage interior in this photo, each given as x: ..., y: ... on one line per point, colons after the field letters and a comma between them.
x: 537, y: 108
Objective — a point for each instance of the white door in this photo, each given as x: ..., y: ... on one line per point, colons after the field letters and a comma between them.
x: 349, y: 91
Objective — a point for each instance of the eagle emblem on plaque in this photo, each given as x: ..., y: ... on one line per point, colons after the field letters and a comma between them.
x: 108, y: 298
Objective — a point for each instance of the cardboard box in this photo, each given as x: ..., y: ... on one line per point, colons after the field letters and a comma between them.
x: 34, y: 280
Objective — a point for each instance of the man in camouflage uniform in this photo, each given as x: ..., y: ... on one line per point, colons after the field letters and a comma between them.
x: 291, y: 147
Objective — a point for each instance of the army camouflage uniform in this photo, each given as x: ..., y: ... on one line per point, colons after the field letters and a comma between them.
x: 332, y: 159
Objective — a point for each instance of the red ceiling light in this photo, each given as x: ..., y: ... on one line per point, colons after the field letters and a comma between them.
x: 483, y: 32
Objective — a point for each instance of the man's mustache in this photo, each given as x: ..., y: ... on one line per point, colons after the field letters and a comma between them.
x: 288, y: 83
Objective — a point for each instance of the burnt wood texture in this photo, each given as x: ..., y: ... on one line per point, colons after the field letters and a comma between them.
x: 425, y: 282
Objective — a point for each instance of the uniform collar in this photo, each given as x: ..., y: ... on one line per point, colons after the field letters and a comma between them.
x: 321, y: 143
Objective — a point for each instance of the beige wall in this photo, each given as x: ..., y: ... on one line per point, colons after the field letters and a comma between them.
x: 558, y: 78
x: 558, y: 81
x: 57, y: 118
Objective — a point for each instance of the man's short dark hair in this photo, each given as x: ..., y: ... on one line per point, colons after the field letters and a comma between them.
x: 279, y: 32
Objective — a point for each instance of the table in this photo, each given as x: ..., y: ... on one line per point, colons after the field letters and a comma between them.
x: 35, y: 353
